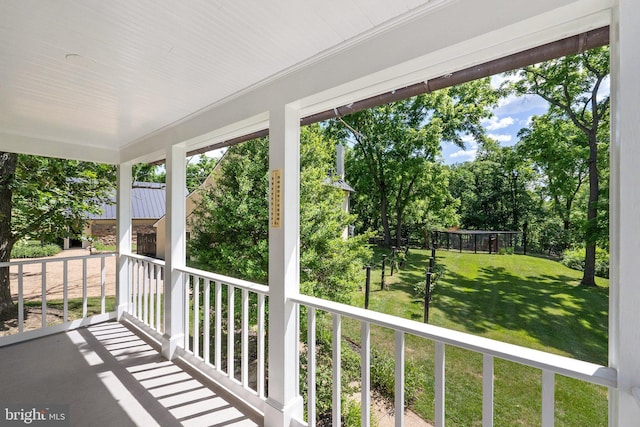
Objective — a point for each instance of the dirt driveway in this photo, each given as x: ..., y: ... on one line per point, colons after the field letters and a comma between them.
x: 32, y: 276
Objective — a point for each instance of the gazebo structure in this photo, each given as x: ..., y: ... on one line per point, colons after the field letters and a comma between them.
x: 476, y: 240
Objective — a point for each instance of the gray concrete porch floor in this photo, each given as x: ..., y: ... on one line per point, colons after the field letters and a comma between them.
x: 108, y: 376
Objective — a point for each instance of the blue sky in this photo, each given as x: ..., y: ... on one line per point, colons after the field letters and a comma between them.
x: 512, y: 114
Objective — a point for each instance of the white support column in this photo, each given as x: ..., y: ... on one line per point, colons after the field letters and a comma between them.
x: 624, y: 299
x: 175, y: 251
x: 123, y: 230
x: 284, y: 403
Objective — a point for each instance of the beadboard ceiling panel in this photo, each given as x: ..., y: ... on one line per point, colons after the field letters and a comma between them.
x: 106, y: 73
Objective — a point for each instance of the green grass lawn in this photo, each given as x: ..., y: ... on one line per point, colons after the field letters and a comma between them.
x: 523, y: 300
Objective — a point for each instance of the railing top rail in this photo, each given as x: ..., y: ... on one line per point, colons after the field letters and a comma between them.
x: 155, y: 261
x: 238, y: 283
x: 56, y: 259
x: 585, y: 371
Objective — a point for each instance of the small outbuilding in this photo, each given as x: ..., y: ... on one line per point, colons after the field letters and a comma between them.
x: 148, y: 203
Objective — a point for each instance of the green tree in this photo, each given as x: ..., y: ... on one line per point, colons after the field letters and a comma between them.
x: 560, y: 151
x: 148, y: 172
x: 330, y: 264
x: 198, y: 169
x: 8, y: 163
x: 45, y: 198
x: 437, y: 211
x: 229, y: 224
x: 230, y: 233
x: 493, y: 189
x: 394, y: 144
x: 572, y: 86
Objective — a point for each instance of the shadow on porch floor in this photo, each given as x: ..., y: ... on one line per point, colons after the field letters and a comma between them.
x: 108, y: 376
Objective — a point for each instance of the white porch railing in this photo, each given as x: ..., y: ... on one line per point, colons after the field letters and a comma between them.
x: 549, y: 364
x: 220, y: 313
x: 224, y: 323
x: 146, y: 290
x: 225, y: 337
x: 74, y: 279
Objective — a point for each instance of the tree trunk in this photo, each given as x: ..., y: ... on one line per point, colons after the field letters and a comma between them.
x: 399, y: 229
x: 8, y: 162
x: 384, y: 214
x: 515, y: 214
x: 588, y: 278
x: 566, y: 215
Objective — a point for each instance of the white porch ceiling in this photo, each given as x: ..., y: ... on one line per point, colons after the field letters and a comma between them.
x: 121, y: 80
x: 106, y: 73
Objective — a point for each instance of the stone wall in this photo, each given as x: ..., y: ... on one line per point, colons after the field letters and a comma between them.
x: 105, y: 230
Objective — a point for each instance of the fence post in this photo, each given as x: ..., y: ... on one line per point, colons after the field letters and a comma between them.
x: 384, y: 261
x: 427, y: 296
x: 367, y: 287
x: 427, y: 289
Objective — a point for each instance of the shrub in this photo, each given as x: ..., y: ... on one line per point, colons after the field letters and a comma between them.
x: 383, y: 377
x: 574, y: 259
x: 34, y: 250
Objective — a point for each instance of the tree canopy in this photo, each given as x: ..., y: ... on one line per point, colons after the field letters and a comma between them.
x: 561, y: 152
x: 46, y: 199
x: 198, y: 169
x: 396, y: 148
x: 572, y: 85
x: 493, y: 189
x: 230, y: 223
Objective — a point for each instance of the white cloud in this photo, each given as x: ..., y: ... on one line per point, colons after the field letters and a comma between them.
x: 468, y: 153
x: 513, y: 105
x: 498, y: 79
x: 605, y: 88
x: 500, y: 137
x: 218, y: 153
x: 494, y: 124
x: 464, y: 155
x: 469, y: 139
